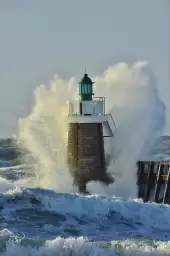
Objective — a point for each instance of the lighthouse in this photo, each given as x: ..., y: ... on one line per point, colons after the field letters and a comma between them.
x: 88, y: 125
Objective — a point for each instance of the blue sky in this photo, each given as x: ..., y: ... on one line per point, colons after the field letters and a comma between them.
x: 40, y: 38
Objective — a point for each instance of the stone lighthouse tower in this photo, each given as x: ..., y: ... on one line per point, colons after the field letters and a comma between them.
x: 85, y: 150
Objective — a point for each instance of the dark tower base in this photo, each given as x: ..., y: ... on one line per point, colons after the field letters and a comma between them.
x: 85, y: 154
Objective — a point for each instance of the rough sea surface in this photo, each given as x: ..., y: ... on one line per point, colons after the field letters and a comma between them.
x: 35, y: 221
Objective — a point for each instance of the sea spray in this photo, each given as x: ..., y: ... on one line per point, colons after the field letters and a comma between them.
x: 44, y: 134
x: 132, y: 99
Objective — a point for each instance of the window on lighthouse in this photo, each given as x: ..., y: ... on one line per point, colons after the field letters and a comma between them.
x: 85, y: 89
x: 89, y: 89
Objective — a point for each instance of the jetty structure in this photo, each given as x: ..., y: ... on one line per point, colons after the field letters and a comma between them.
x: 153, y: 180
x: 88, y: 125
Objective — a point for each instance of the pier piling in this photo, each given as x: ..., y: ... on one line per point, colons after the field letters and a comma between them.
x: 153, y: 180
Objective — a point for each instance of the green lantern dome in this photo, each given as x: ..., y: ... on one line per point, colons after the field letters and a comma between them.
x: 86, y: 80
x: 86, y: 88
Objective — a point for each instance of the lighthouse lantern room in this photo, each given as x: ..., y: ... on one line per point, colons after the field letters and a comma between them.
x: 87, y: 105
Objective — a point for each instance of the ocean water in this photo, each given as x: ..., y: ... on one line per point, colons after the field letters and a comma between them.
x: 42, y: 214
x: 37, y: 221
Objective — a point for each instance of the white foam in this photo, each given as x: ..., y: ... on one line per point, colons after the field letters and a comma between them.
x: 59, y: 247
x: 6, y: 185
x: 5, y: 233
x: 132, y: 98
x: 81, y: 246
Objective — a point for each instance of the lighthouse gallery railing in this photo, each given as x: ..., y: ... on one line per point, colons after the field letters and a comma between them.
x: 94, y: 107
